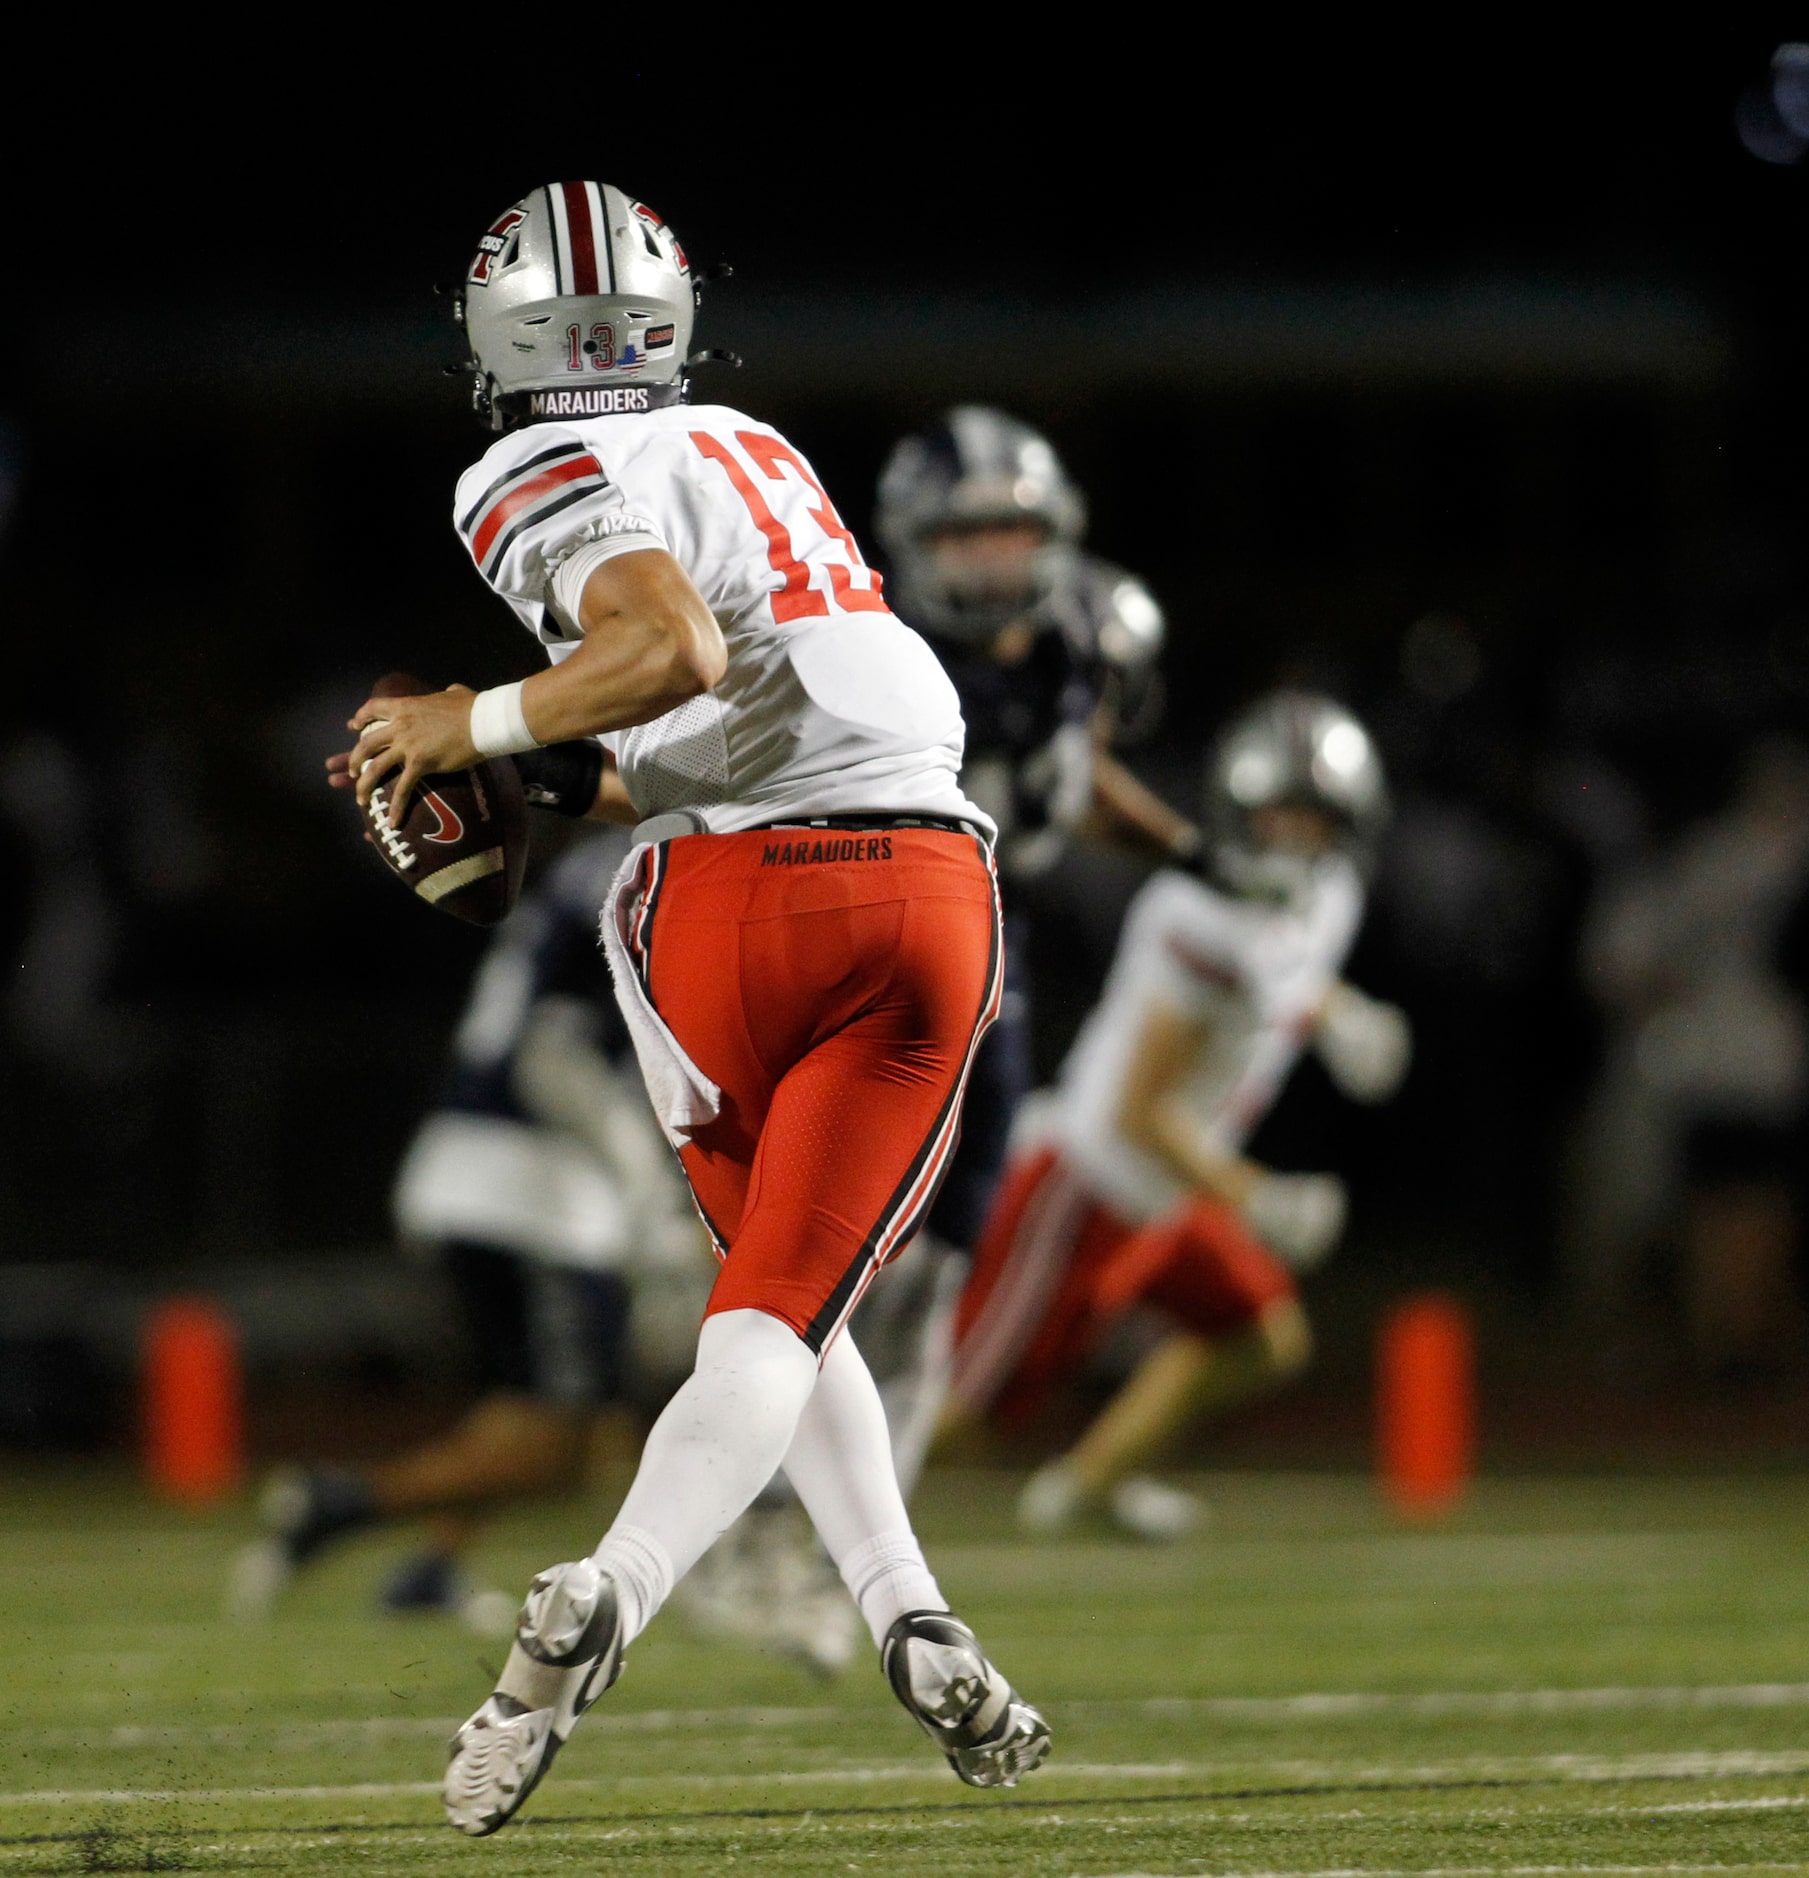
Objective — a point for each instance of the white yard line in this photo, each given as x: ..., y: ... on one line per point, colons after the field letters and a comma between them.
x: 1736, y: 1763
x: 1285, y: 1708
x: 1764, y: 1803
x: 1462, y: 1871
x: 1466, y: 1702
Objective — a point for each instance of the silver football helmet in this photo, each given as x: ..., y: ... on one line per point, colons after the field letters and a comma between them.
x: 577, y: 303
x: 1292, y: 749
x: 976, y: 468
x: 1116, y: 625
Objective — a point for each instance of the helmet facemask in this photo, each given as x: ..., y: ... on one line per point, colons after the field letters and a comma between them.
x: 973, y: 578
x: 980, y: 521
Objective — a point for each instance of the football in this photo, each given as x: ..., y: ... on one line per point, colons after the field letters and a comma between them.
x: 463, y: 846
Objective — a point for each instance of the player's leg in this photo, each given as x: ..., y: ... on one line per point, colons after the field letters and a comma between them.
x: 769, y: 1582
x: 916, y: 1362
x: 550, y: 1345
x: 555, y: 1341
x: 825, y: 1015
x: 840, y: 1461
x: 1026, y: 1317
x: 860, y: 1019
x: 509, y: 1446
x: 914, y: 1366
x: 1241, y: 1331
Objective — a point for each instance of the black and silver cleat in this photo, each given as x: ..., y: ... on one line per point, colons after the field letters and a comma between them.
x: 567, y: 1651
x: 937, y: 1669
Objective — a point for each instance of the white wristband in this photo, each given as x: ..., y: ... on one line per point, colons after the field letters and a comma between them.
x: 498, y: 727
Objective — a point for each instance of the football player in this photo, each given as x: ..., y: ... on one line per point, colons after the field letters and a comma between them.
x: 804, y: 937
x: 1128, y: 1182
x: 543, y: 1187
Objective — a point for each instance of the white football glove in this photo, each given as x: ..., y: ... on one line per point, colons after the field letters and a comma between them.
x: 1364, y: 1043
x: 1299, y: 1217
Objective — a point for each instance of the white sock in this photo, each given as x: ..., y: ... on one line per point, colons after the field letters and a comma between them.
x: 642, y: 1570
x: 840, y: 1461
x: 714, y: 1447
x: 913, y: 1398
x: 888, y: 1577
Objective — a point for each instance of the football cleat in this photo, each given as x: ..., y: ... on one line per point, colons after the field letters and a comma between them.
x: 1052, y: 1500
x: 1150, y: 1510
x: 567, y: 1651
x: 302, y: 1511
x: 989, y: 1733
x: 426, y: 1581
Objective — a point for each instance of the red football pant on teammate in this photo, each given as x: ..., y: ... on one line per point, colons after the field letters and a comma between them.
x: 1056, y: 1268
x: 834, y: 984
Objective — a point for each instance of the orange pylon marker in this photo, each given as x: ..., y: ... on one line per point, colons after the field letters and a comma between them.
x: 193, y: 1407
x: 1426, y: 1404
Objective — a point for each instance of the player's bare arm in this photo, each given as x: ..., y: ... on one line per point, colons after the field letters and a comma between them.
x: 1127, y: 810
x: 650, y: 643
x: 1153, y: 1112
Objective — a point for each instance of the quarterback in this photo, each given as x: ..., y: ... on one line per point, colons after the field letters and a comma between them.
x: 1128, y: 1182
x: 804, y: 936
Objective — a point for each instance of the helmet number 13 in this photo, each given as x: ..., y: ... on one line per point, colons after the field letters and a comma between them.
x: 598, y: 351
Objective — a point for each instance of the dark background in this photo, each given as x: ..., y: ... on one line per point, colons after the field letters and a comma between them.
x: 1463, y: 378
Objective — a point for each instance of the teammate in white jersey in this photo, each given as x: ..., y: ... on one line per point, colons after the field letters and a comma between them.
x: 805, y: 937
x: 1128, y: 1181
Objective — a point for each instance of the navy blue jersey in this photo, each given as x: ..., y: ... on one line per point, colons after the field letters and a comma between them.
x: 546, y: 948
x: 1028, y: 732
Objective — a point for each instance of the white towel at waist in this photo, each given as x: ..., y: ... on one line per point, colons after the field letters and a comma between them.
x: 683, y: 1097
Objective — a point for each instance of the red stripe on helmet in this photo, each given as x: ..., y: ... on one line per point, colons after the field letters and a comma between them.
x: 584, y: 245
x: 525, y: 495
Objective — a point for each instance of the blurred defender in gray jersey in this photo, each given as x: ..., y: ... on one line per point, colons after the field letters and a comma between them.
x: 542, y: 1186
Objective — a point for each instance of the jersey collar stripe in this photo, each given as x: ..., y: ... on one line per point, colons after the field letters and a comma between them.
x: 529, y: 495
x: 541, y: 512
x: 562, y: 239
x: 558, y: 452
x: 582, y: 234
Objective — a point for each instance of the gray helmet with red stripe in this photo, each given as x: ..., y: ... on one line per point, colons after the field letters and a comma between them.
x: 578, y: 303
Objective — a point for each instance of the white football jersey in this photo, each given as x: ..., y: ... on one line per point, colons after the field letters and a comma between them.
x: 829, y: 706
x: 1256, y: 973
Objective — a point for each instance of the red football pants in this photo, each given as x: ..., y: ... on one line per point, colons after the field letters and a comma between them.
x: 1054, y: 1270
x: 834, y: 985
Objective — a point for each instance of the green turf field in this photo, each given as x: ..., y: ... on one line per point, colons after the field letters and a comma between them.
x: 1569, y: 1676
